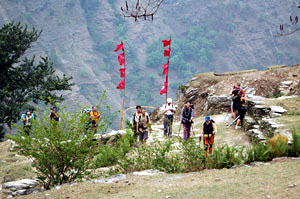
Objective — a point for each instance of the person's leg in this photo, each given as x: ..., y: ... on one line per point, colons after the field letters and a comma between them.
x: 141, y: 136
x: 188, y: 131
x: 170, y: 127
x: 145, y: 137
x: 165, y: 126
x: 184, y: 132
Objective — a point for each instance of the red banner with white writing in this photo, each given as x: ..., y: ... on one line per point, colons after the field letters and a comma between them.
x: 166, y: 43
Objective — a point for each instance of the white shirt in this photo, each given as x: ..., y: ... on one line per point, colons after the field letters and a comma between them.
x: 137, y: 115
x: 168, y: 107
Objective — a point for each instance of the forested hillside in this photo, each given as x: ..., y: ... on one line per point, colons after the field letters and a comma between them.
x: 80, y: 35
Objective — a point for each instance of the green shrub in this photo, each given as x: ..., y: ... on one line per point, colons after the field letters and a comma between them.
x: 62, y: 151
x: 108, y: 156
x: 294, y: 150
x: 224, y: 157
x: 258, y: 152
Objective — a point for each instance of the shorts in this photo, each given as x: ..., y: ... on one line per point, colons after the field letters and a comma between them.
x: 93, y: 122
x: 242, y: 111
x: 143, y: 135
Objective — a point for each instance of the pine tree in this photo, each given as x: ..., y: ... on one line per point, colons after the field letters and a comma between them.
x: 22, y: 80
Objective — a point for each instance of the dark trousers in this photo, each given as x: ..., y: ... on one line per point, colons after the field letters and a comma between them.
x: 168, y: 122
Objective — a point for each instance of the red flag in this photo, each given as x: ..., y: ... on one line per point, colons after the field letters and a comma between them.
x: 121, y: 84
x: 167, y: 52
x: 119, y: 47
x: 167, y: 42
x: 121, y: 58
x: 166, y: 68
x: 163, y: 89
x: 122, y: 72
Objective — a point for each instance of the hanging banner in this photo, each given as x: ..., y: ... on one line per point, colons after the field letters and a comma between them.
x: 122, y: 72
x: 167, y: 52
x: 119, y: 47
x: 121, y: 84
x: 121, y: 58
x: 166, y: 68
x: 167, y: 42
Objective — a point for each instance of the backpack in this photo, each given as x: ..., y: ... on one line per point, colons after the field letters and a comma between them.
x: 140, y: 124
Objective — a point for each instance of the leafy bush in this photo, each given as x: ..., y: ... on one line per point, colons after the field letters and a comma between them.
x: 224, y: 157
x: 294, y: 149
x: 108, y: 156
x: 258, y: 152
x: 62, y: 151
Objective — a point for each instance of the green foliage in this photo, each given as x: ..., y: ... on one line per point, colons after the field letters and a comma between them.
x: 24, y: 81
x: 294, y: 150
x: 224, y: 157
x: 63, y: 151
x: 258, y: 152
x: 108, y: 156
x: 181, y: 89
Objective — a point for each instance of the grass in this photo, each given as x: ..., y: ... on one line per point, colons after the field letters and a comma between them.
x: 12, y: 166
x: 289, y: 121
x: 270, y: 180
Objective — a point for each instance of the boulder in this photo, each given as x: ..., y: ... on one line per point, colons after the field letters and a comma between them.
x: 217, y: 104
x: 278, y: 109
x: 20, y: 184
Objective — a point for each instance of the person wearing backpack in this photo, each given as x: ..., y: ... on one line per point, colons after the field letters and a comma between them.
x: 168, y: 111
x: 95, y: 116
x: 234, y: 91
x: 135, y: 119
x: 239, y: 105
x: 187, y: 115
x: 143, y: 126
x: 53, y: 115
x: 27, y: 119
x: 208, y: 133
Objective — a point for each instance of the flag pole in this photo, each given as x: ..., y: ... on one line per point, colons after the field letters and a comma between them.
x: 168, y: 73
x: 123, y: 103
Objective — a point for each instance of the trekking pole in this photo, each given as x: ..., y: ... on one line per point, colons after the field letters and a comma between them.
x: 179, y: 129
x: 193, y: 130
x: 235, y: 120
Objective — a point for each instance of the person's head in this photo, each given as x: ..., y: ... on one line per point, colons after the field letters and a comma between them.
x: 237, y: 85
x: 28, y: 113
x: 143, y: 111
x: 94, y: 108
x: 188, y: 104
x: 169, y: 101
x: 207, y: 119
x: 138, y: 108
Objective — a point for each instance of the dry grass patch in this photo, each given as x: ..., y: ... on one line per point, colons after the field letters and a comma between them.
x: 255, y: 182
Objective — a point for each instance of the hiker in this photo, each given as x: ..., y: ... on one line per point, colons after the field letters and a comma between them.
x: 53, y: 115
x: 135, y: 119
x: 143, y: 126
x: 186, y: 118
x: 208, y: 133
x: 95, y: 116
x: 168, y: 110
x: 87, y: 118
x: 27, y: 121
x: 234, y: 91
x: 239, y: 105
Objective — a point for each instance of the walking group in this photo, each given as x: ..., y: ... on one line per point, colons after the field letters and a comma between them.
x: 142, y: 125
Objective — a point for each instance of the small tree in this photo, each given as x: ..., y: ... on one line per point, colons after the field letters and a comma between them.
x: 62, y: 151
x: 22, y: 82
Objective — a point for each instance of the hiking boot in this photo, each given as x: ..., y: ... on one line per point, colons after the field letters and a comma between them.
x: 237, y: 127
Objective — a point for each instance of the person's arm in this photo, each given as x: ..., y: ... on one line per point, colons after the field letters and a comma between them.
x: 246, y: 99
x: 49, y: 115
x: 173, y: 109
x: 214, y: 129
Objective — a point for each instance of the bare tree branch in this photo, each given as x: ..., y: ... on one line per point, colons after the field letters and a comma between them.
x: 294, y: 23
x: 139, y: 11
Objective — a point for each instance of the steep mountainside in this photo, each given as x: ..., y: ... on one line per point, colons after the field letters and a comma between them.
x: 79, y: 36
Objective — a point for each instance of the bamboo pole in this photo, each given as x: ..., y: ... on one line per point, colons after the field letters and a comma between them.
x: 124, y: 93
